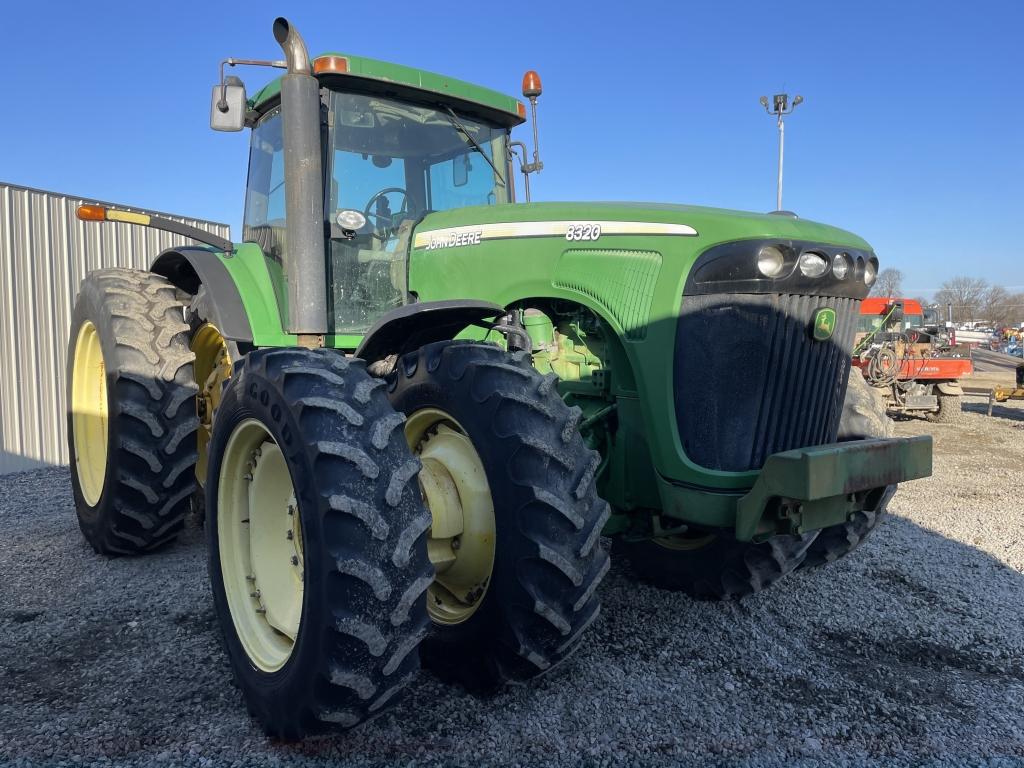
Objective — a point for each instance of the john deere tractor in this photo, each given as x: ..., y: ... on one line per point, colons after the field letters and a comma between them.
x: 414, y: 406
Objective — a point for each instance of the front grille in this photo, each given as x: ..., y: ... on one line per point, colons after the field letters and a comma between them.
x: 751, y: 381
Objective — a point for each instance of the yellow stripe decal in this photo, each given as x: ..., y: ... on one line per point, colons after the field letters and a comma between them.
x: 128, y: 217
x: 574, y: 231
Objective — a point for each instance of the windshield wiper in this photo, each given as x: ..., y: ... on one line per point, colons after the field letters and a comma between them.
x: 457, y: 125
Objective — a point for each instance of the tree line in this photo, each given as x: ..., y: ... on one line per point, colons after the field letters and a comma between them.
x: 972, y: 298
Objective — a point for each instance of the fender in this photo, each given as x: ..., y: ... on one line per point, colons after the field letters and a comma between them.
x: 949, y: 387
x: 188, y: 268
x: 407, y: 328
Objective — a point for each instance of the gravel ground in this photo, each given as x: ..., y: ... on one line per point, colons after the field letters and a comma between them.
x: 909, y: 652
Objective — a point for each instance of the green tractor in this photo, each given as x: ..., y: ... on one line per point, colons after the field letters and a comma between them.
x: 412, y: 408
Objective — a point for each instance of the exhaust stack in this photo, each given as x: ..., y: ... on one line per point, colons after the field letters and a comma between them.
x: 306, y: 265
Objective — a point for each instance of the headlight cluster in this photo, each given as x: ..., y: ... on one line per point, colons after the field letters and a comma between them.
x: 778, y: 265
x: 771, y: 262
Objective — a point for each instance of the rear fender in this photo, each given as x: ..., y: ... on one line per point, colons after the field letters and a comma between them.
x: 246, y: 290
x: 188, y: 268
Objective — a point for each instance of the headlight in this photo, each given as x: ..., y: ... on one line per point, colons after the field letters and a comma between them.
x: 813, y: 264
x: 840, y: 266
x: 870, y: 272
x: 770, y: 261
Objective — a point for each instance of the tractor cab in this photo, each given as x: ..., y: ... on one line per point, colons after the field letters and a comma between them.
x: 394, y: 144
x: 388, y: 162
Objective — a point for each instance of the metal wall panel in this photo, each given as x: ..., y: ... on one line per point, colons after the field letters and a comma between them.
x: 45, y: 251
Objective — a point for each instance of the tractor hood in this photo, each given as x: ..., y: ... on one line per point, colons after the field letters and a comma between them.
x: 570, y: 221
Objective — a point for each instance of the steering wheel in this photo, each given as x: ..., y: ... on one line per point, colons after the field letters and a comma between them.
x: 378, y: 211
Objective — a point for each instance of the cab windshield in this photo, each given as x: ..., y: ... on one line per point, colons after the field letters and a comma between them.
x: 391, y: 162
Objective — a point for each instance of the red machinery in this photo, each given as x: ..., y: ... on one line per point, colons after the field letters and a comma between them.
x: 914, y: 366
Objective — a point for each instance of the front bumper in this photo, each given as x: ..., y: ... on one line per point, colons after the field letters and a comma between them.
x: 805, y: 489
x: 810, y: 488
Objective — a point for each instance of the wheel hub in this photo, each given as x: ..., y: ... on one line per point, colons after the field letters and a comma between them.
x: 212, y: 369
x: 461, y: 541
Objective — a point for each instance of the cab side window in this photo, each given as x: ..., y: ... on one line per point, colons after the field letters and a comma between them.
x: 264, y: 219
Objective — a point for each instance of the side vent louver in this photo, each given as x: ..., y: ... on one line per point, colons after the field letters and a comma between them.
x: 622, y: 281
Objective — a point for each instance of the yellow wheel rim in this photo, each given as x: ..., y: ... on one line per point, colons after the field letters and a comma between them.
x: 260, y: 545
x: 89, y: 421
x: 212, y: 369
x: 462, y: 535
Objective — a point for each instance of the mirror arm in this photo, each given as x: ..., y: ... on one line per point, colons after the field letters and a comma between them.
x: 222, y: 105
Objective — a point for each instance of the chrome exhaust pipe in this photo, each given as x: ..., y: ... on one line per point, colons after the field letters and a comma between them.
x: 294, y: 47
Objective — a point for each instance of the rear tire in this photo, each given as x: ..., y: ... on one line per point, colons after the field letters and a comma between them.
x: 547, y: 517
x: 215, y: 358
x: 358, y: 614
x: 131, y: 411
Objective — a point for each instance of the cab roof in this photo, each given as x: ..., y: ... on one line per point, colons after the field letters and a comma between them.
x: 395, y: 79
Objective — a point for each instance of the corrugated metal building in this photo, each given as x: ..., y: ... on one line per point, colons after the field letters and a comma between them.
x: 45, y: 251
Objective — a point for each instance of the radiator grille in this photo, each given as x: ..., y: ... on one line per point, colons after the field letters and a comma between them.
x: 751, y: 381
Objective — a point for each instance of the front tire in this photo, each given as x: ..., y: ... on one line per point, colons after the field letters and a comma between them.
x: 131, y: 411
x: 950, y: 410
x: 317, y: 548
x: 864, y: 412
x: 523, y: 610
x: 710, y: 565
x: 863, y: 417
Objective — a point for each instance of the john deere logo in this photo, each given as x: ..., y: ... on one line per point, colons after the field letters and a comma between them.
x: 824, y: 323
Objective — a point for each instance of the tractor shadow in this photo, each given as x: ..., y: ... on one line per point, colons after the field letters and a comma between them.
x: 900, y: 650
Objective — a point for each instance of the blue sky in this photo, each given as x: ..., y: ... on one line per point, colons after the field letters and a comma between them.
x: 911, y: 135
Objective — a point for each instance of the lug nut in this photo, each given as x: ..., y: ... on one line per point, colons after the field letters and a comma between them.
x: 456, y: 543
x: 295, y: 559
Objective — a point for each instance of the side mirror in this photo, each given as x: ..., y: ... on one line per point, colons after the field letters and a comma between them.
x: 228, y: 105
x: 460, y: 170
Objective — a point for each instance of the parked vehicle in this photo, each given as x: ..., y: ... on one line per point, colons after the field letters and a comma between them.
x: 916, y: 367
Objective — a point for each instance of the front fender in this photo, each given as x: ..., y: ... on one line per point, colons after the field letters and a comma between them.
x: 410, y: 327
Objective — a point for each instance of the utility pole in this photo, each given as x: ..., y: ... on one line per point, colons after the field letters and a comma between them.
x: 780, y: 107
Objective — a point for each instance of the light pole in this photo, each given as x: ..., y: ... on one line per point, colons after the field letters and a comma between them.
x: 779, y: 107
